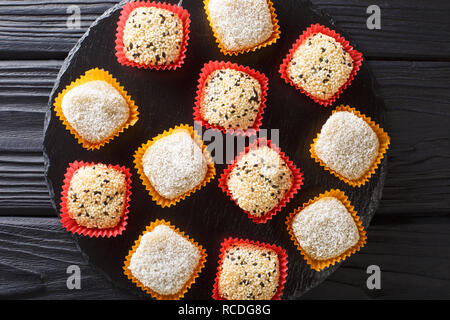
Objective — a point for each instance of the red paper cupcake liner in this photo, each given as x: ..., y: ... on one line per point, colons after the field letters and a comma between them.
x: 282, y: 258
x: 71, y: 225
x: 313, y: 29
x: 182, y: 13
x: 212, y: 66
x: 296, y: 184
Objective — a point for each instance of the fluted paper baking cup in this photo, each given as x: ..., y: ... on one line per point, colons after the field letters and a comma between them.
x: 310, y: 31
x: 160, y: 200
x: 93, y: 75
x: 183, y: 14
x: 195, y: 274
x: 296, y: 184
x: 209, y: 68
x: 383, y: 139
x: 271, y: 40
x: 282, y: 259
x: 319, y: 265
x: 71, y: 225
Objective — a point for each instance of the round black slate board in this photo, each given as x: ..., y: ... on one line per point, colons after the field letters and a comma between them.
x: 165, y: 99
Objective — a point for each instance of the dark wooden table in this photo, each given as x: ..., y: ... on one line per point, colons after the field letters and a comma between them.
x: 409, y: 238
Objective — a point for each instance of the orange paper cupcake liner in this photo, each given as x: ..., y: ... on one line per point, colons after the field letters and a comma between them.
x: 92, y: 75
x: 212, y: 66
x: 383, y: 139
x: 312, y: 30
x: 271, y: 40
x: 160, y: 200
x: 296, y: 184
x: 71, y: 225
x: 182, y: 13
x: 179, y: 295
x: 282, y: 259
x: 321, y: 264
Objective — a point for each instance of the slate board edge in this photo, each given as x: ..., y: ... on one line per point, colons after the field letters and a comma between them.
x: 376, y: 197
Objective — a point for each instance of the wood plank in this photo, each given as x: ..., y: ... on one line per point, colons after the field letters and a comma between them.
x: 413, y: 254
x: 417, y: 99
x: 409, y: 30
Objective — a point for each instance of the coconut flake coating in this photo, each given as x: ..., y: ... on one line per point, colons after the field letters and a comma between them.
x: 96, y: 196
x: 320, y: 66
x: 249, y: 272
x: 347, y: 144
x: 231, y: 99
x: 175, y: 164
x: 95, y: 109
x: 153, y: 36
x: 325, y: 229
x: 164, y: 260
x: 260, y: 180
x: 241, y: 24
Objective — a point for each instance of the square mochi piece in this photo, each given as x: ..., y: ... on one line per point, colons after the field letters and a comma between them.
x: 153, y: 36
x: 175, y: 164
x: 241, y: 24
x: 96, y: 196
x: 231, y: 99
x: 320, y: 66
x: 260, y: 180
x: 347, y: 144
x: 95, y: 110
x: 325, y: 229
x: 164, y: 261
x: 249, y: 272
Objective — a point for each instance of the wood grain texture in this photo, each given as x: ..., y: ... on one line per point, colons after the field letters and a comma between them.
x: 417, y: 118
x: 163, y: 100
x: 409, y: 29
x: 413, y: 254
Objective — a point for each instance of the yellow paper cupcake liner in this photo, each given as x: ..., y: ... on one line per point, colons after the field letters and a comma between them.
x: 92, y: 75
x: 383, y: 139
x: 186, y: 286
x: 272, y: 39
x: 160, y: 200
x: 321, y: 264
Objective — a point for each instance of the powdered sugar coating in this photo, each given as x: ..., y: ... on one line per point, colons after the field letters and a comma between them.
x: 175, y: 164
x: 95, y: 110
x: 164, y: 260
x: 241, y: 24
x: 347, y: 145
x: 325, y: 229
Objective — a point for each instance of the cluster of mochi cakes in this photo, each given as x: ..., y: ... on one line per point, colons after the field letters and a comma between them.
x: 164, y: 261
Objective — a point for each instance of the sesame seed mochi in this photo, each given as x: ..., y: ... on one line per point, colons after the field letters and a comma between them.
x: 152, y: 36
x: 96, y: 196
x: 325, y: 229
x: 241, y: 24
x: 231, y: 99
x: 164, y: 261
x: 175, y: 164
x: 320, y: 66
x: 95, y: 110
x: 347, y: 144
x: 249, y: 272
x: 260, y: 180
